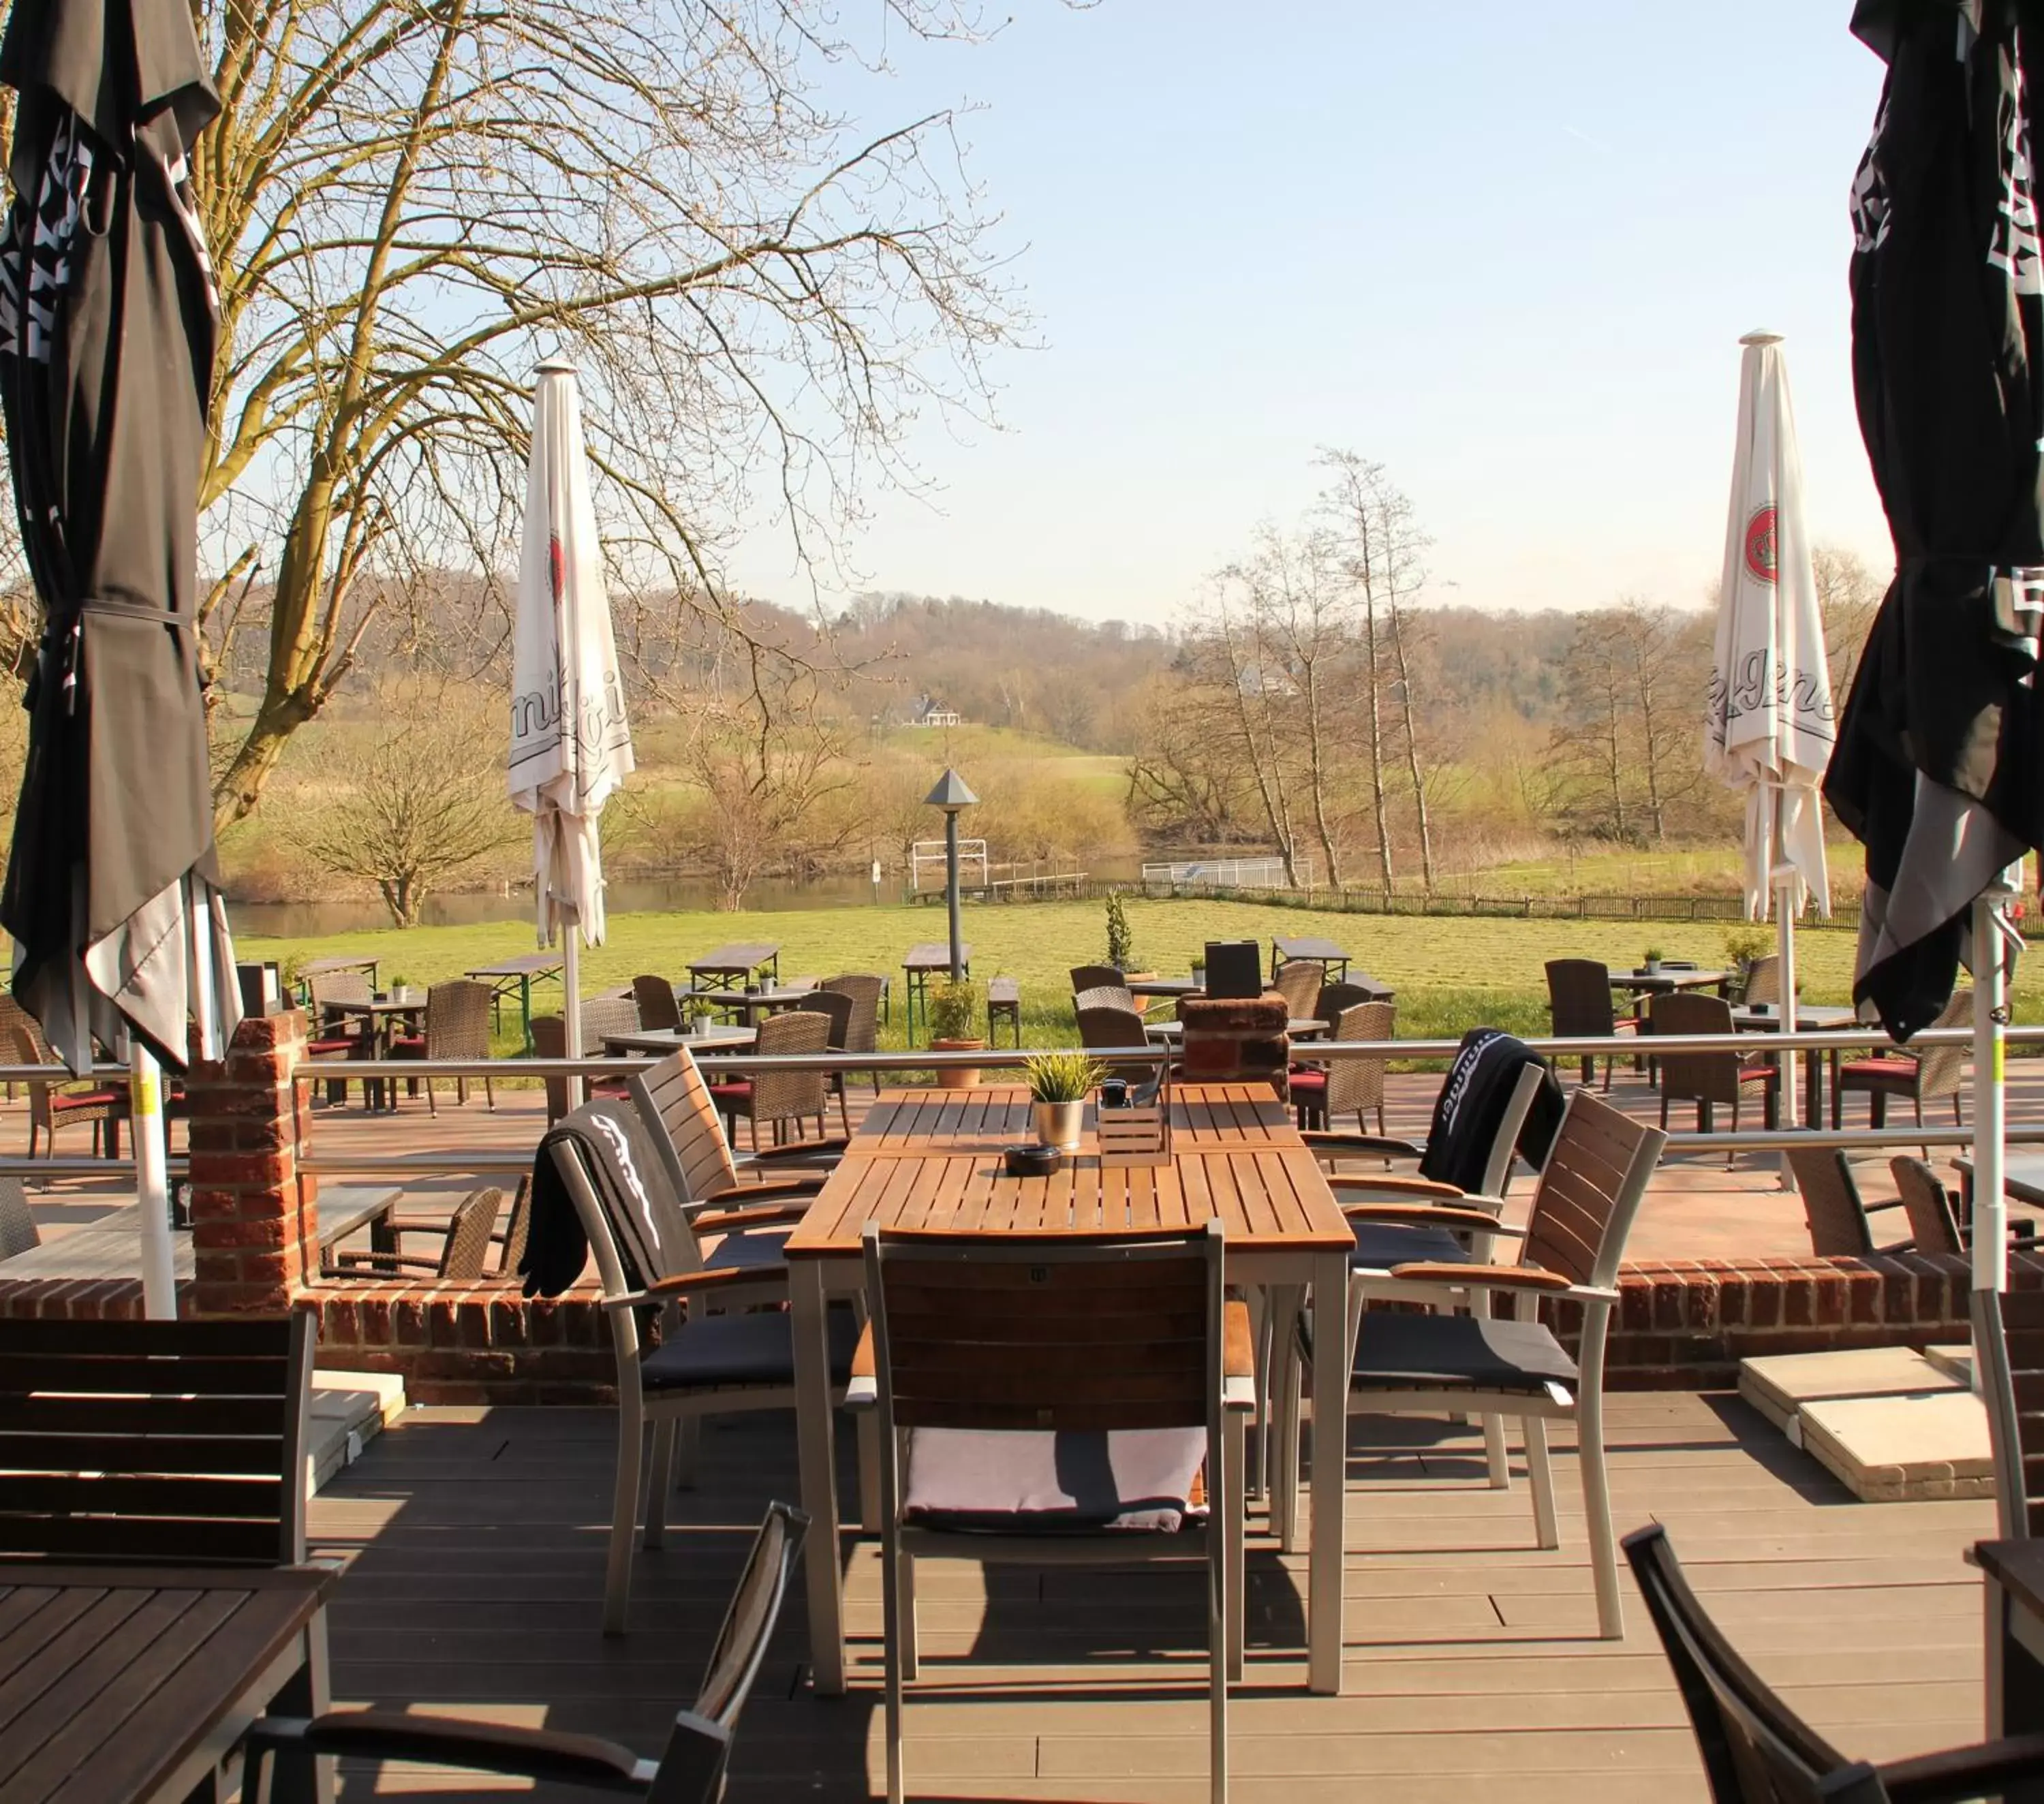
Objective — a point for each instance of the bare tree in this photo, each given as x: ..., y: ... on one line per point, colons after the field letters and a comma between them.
x: 410, y: 203
x: 1232, y: 656
x: 1184, y: 781
x: 408, y: 804
x: 1590, y: 739
x: 1848, y: 597
x: 1644, y: 640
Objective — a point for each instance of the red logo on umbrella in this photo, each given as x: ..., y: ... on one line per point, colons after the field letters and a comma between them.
x: 557, y: 568
x: 1760, y: 544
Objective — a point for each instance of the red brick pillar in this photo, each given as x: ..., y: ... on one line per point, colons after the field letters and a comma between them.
x: 1236, y: 1040
x: 254, y: 1216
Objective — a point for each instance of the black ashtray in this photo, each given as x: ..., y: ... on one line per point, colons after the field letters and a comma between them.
x: 1031, y: 1161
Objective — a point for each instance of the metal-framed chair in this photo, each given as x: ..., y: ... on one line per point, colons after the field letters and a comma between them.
x: 1580, y: 1006
x: 690, y: 1770
x: 1057, y: 1399
x: 837, y: 1009
x: 338, y: 1035
x: 2008, y: 1341
x: 1404, y: 1364
x: 1758, y: 1751
x: 58, y: 1102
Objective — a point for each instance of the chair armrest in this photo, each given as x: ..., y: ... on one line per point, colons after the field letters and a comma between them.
x: 1390, y: 1184
x: 1427, y: 1215
x: 342, y: 1262
x: 801, y: 1153
x: 1487, y: 1277
x: 721, y: 1221
x: 1984, y: 1771
x: 544, y: 1754
x: 1875, y: 1208
x: 742, y: 1195
x: 1325, y: 1145
x: 690, y: 1283
x: 863, y: 1391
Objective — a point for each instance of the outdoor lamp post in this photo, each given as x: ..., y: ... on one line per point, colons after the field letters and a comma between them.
x: 950, y: 794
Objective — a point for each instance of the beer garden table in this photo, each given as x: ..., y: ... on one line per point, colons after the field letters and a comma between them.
x: 932, y: 1159
x: 735, y: 964
x: 517, y: 974
x: 1322, y: 951
x: 918, y: 965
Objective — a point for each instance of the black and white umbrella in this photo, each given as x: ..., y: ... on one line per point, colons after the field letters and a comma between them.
x: 1937, y: 769
x: 108, y: 316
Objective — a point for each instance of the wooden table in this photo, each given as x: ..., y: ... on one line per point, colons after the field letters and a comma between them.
x: 1669, y: 978
x: 735, y: 962
x: 708, y: 1038
x: 2013, y: 1572
x: 127, y: 1683
x: 323, y: 967
x: 931, y: 1158
x: 1322, y: 951
x: 918, y: 965
x: 1811, y: 1018
x: 520, y: 974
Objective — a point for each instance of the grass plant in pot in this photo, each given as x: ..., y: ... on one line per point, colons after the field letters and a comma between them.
x: 1059, y: 1082
x: 1652, y: 960
x: 953, y: 1027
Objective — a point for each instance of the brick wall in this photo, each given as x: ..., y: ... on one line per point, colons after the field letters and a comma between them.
x: 469, y: 1343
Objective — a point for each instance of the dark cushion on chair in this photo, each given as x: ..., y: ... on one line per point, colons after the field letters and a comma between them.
x: 1309, y: 1084
x: 754, y: 1247
x: 1379, y: 1246
x: 1894, y: 1070
x: 407, y: 1045
x: 334, y: 1043
x: 995, y: 1481
x: 1395, y: 1350
x: 1757, y: 1073
x: 710, y: 1351
x: 733, y: 1093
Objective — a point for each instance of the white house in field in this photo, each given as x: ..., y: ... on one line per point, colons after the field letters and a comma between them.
x: 929, y: 711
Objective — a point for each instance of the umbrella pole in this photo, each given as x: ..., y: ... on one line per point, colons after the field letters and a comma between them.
x: 1990, y: 1210
x: 571, y: 920
x: 152, y: 1188
x: 1784, y: 874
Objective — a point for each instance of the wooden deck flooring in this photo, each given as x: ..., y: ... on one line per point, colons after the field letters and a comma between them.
x: 474, y: 1541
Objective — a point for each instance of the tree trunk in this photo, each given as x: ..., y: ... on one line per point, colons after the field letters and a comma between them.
x: 1372, y: 672
x: 1412, y: 750
x: 1317, y: 772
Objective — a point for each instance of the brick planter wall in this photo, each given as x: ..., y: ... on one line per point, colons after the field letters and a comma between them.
x: 1229, y: 1041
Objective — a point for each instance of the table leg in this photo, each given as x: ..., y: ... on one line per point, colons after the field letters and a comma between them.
x: 822, y: 1573
x: 1323, y: 1612
x: 525, y: 1008
x: 2015, y: 1667
x: 299, y: 1780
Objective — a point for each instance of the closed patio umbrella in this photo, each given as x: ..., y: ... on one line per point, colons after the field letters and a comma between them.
x: 1769, y: 725
x: 1937, y: 766
x: 571, y: 744
x: 108, y: 316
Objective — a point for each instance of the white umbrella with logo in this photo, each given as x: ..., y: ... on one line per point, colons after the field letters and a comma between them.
x: 570, y: 743
x: 1770, y: 725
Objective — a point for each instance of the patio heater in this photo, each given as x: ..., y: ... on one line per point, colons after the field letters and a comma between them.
x: 950, y: 794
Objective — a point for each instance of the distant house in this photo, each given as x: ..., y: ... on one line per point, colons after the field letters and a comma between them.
x: 931, y: 713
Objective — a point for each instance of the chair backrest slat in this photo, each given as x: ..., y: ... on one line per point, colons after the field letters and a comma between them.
x: 691, y: 1142
x: 1068, y: 1333
x: 1590, y: 1190
x: 154, y: 1441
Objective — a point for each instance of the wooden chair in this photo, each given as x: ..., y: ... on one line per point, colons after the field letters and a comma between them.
x: 1054, y: 1400
x: 466, y: 1238
x: 1323, y: 1093
x: 1104, y: 1028
x: 657, y: 1009
x: 1579, y: 1006
x: 1707, y: 1079
x: 1937, y: 1071
x: 648, y: 1259
x: 691, y: 1769
x: 1841, y: 1225
x: 1097, y: 976
x: 60, y: 1103
x: 1402, y: 1363
x: 779, y: 1097
x: 837, y: 1009
x: 1105, y: 995
x: 2008, y: 1341
x: 457, y: 1026
x: 681, y: 1114
x: 1299, y: 982
x: 18, y: 1231
x: 862, y: 1035
x: 1757, y: 1751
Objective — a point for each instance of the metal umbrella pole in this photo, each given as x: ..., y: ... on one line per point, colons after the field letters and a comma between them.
x: 1990, y: 1210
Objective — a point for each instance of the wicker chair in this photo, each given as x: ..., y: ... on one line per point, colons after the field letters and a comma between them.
x: 862, y: 1034
x: 457, y: 1026
x: 1102, y: 1030
x: 1763, y: 980
x: 64, y: 1104
x: 467, y: 1237
x: 1105, y: 995
x: 1336, y: 997
x: 12, y: 1015
x: 657, y: 1009
x: 550, y: 1040
x: 779, y: 1097
x: 336, y: 1034
x: 1095, y: 977
x: 606, y: 1015
x: 1937, y: 1071
x: 837, y: 1008
x: 1706, y: 1079
x: 1840, y: 1224
x: 1934, y: 1222
x: 1323, y: 1094
x: 1579, y: 1001
x: 18, y: 1231
x: 1299, y: 980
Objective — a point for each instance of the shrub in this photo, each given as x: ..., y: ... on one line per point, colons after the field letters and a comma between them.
x: 955, y: 1011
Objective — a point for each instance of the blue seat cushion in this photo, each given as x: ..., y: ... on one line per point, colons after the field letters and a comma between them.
x: 1139, y: 1480
x: 1396, y: 1350
x: 1379, y: 1246
x: 708, y: 1352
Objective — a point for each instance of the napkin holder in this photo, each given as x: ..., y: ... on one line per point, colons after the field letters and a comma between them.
x: 1138, y: 1133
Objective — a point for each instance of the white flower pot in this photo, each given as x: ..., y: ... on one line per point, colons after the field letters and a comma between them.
x: 1057, y: 1125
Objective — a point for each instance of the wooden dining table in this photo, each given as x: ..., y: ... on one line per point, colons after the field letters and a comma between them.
x: 932, y: 1159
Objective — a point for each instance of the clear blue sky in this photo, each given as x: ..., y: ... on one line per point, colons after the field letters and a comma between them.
x: 1506, y: 249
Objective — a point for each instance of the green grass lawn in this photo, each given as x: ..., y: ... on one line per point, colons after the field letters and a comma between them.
x: 1450, y: 974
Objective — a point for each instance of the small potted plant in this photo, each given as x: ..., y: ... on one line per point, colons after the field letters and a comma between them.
x: 1059, y: 1082
x: 1651, y: 962
x: 1199, y: 971
x: 954, y: 1027
x: 1121, y: 941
